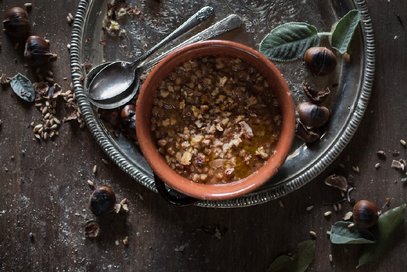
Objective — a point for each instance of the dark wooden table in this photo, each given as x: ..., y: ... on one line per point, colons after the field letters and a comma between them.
x: 44, y: 194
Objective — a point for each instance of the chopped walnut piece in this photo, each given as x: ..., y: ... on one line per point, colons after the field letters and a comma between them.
x: 186, y: 158
x: 246, y: 130
x: 261, y: 153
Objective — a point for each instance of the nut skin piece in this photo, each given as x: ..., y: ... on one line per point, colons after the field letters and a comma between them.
x: 320, y: 60
x: 306, y: 135
x: 16, y: 23
x: 102, y: 200
x: 365, y: 214
x: 36, y: 51
x: 312, y: 115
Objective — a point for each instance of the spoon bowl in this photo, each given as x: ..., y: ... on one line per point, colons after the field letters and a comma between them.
x: 118, y: 77
x: 107, y: 95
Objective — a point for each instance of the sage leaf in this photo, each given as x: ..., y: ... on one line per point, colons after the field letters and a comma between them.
x: 289, y: 41
x: 23, y: 87
x: 341, y: 234
x: 389, y: 222
x: 342, y: 31
x: 299, y: 262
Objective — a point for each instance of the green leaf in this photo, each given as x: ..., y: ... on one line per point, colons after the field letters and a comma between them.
x: 23, y: 87
x: 289, y: 41
x: 302, y: 258
x: 388, y: 224
x: 342, y: 31
x: 341, y: 234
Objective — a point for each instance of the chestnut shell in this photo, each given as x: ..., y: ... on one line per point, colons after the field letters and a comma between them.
x: 320, y: 60
x: 365, y: 214
x: 16, y: 23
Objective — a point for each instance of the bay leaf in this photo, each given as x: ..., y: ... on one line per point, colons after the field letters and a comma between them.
x: 389, y: 223
x: 341, y: 234
x: 342, y: 31
x: 299, y: 262
x: 289, y: 41
x: 23, y: 87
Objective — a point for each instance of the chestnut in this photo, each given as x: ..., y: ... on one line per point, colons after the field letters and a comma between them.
x: 36, y: 51
x: 16, y: 23
x: 320, y: 60
x: 128, y: 112
x: 365, y: 214
x: 102, y: 200
x: 312, y: 115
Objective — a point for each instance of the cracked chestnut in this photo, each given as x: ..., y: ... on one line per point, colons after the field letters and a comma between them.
x: 312, y: 115
x: 365, y: 214
x: 16, y: 23
x: 320, y: 60
x: 102, y: 200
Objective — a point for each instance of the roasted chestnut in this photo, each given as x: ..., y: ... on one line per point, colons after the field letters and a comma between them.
x: 102, y: 200
x: 365, y: 214
x: 16, y: 23
x: 312, y: 115
x: 37, y: 52
x: 320, y: 60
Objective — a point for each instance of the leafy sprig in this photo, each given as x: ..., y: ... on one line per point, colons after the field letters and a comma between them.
x: 289, y: 41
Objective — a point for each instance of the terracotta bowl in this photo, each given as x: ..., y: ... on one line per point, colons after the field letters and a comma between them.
x: 144, y: 110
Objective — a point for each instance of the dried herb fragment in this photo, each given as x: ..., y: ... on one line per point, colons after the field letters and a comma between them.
x: 317, y: 96
x: 388, y: 225
x: 341, y: 234
x: 23, y: 87
x: 299, y: 262
x: 336, y: 181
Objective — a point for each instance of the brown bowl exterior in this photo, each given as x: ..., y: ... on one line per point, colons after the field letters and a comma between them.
x: 155, y: 159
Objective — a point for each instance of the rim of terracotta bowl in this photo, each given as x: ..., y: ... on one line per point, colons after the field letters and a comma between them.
x: 155, y: 159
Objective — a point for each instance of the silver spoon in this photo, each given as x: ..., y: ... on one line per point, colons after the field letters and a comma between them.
x: 118, y: 76
x: 229, y: 23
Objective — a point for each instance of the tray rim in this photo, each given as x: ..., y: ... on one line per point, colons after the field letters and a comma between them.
x: 116, y: 155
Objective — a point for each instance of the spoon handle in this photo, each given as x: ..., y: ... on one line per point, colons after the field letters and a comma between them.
x: 225, y: 25
x: 200, y: 16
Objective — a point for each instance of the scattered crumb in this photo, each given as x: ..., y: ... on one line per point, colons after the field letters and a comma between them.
x: 309, y: 208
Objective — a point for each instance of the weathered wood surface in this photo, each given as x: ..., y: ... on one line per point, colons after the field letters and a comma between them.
x: 44, y: 190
